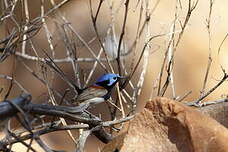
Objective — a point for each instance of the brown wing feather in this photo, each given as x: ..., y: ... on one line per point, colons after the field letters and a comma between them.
x: 90, y: 93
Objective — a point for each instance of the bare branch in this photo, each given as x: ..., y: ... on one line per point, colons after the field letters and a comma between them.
x: 210, y: 51
x: 225, y: 76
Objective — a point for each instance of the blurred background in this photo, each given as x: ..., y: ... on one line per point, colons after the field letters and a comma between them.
x: 190, y: 57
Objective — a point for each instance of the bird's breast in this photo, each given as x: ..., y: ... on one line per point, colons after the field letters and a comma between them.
x: 93, y: 101
x: 92, y: 92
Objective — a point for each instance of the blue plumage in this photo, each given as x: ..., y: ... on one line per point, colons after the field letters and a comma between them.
x: 109, y: 79
x: 100, y: 91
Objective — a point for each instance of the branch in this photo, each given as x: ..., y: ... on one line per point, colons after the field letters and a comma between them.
x: 22, y: 103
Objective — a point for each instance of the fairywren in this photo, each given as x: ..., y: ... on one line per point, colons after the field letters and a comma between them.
x: 100, y: 91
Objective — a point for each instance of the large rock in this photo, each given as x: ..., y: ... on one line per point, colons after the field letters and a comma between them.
x: 169, y: 126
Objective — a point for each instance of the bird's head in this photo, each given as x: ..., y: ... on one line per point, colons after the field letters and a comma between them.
x: 108, y: 81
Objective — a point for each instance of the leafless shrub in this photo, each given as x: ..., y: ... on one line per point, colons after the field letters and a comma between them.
x: 113, y: 56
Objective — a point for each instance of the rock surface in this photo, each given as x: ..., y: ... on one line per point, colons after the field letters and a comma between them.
x: 169, y: 126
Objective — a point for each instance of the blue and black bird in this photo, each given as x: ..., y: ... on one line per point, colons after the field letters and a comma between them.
x: 100, y: 91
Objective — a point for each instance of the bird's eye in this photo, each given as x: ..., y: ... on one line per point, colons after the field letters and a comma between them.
x: 114, y: 78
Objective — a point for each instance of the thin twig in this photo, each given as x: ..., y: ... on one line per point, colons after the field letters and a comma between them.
x: 121, y: 36
x: 209, y: 41
x: 225, y: 76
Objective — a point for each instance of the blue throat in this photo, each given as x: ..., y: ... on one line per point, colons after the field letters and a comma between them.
x: 108, y: 95
x: 108, y: 81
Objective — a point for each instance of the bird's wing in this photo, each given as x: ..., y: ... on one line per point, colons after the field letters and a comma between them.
x: 91, y: 92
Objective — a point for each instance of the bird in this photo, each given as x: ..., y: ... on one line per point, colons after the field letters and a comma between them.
x: 96, y: 93
x: 100, y: 91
